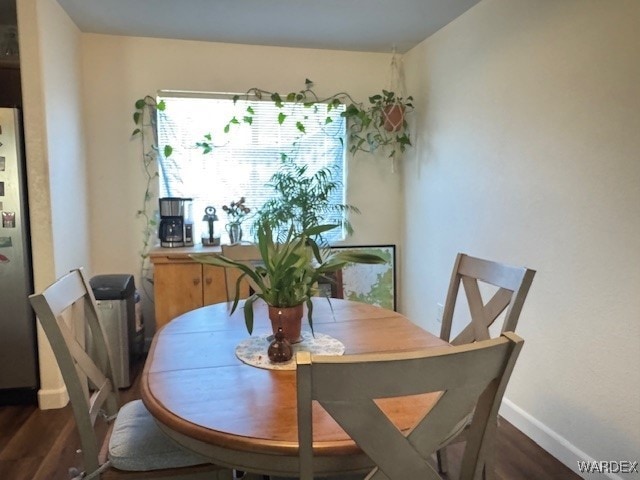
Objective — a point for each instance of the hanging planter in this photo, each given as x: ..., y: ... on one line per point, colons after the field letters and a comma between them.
x: 393, y: 116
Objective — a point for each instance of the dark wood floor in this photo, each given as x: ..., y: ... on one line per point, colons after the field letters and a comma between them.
x: 42, y: 445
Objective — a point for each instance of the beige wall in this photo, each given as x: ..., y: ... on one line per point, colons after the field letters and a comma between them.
x: 527, y: 153
x: 119, y: 70
x: 49, y: 44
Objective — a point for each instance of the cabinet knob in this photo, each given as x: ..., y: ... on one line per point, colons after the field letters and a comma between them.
x: 196, y: 281
x: 208, y: 280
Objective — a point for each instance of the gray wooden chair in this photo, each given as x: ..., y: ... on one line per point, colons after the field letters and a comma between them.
x: 134, y: 446
x: 512, y: 287
x: 472, y: 377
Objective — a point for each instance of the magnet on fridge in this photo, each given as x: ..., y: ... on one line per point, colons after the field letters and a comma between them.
x: 2, y: 164
x: 5, y: 242
x: 9, y: 219
x: 4, y: 259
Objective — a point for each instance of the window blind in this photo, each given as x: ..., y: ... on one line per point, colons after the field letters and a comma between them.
x: 244, y: 159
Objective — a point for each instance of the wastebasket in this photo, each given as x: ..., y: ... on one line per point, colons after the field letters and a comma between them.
x: 116, y: 298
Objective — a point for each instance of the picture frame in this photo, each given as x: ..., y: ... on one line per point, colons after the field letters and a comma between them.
x: 374, y: 284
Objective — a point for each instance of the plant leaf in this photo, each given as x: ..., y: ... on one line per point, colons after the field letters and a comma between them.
x: 310, y: 315
x: 281, y: 118
x: 168, y: 150
x: 248, y: 312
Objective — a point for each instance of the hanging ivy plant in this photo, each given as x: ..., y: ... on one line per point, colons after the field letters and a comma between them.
x: 381, y: 123
x: 145, y: 119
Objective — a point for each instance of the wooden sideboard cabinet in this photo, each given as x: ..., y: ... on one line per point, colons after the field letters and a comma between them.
x: 180, y: 284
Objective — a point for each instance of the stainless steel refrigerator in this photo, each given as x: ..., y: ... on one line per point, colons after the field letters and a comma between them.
x: 18, y: 347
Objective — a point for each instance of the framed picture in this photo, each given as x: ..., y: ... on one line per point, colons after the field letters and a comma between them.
x: 374, y: 284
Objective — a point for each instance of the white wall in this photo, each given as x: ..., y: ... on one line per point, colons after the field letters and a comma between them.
x: 49, y: 45
x: 528, y: 153
x: 119, y: 70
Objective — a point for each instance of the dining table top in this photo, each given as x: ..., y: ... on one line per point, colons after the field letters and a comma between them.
x: 204, y: 397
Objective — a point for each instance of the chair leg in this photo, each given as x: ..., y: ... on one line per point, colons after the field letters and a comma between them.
x: 441, y: 456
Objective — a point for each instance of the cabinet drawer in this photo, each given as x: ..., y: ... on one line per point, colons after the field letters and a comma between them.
x: 177, y: 289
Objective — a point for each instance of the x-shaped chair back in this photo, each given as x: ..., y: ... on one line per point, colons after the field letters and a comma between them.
x: 469, y: 376
x: 513, y: 285
x: 64, y: 309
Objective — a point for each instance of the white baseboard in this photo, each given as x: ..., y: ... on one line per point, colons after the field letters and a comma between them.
x: 556, y: 445
x: 52, y: 398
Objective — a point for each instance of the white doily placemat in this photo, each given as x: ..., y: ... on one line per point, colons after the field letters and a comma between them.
x: 253, y: 350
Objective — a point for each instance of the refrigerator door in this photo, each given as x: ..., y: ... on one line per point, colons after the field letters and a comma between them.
x: 18, y: 355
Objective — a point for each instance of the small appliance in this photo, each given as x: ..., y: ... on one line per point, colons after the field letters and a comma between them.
x: 172, y: 222
x: 208, y: 237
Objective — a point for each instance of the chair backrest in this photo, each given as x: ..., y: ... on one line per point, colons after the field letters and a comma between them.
x: 69, y: 317
x: 245, y: 253
x: 513, y: 285
x: 470, y: 376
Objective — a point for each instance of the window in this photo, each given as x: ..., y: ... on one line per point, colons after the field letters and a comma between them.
x: 243, y: 160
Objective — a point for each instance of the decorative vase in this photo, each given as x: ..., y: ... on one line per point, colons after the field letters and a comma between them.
x: 289, y: 319
x: 280, y: 350
x: 235, y: 232
x: 393, y: 117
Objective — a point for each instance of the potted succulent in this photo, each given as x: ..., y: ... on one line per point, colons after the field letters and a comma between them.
x: 288, y: 275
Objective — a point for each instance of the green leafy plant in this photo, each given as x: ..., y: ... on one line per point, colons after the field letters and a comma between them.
x: 381, y: 123
x: 145, y: 119
x: 302, y: 200
x: 290, y: 270
x: 366, y: 130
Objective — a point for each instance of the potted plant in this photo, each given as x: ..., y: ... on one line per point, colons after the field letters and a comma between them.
x: 302, y: 200
x: 381, y: 123
x: 236, y: 213
x: 288, y: 275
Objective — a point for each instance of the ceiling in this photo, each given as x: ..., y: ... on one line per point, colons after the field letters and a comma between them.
x: 357, y: 25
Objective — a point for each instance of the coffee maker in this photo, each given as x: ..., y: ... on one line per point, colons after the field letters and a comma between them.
x: 176, y: 222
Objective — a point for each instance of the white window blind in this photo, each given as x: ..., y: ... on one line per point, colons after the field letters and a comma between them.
x: 243, y: 160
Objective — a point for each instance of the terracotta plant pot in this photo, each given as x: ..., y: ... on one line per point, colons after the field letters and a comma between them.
x: 393, y: 117
x: 290, y: 319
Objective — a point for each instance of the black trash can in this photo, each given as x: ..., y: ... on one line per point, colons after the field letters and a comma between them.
x: 121, y: 321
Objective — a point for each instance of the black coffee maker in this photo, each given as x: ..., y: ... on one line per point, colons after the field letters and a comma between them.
x: 172, y: 222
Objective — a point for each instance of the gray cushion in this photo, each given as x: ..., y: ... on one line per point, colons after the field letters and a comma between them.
x: 138, y: 444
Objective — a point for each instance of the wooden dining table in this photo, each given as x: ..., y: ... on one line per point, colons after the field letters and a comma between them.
x: 240, y: 416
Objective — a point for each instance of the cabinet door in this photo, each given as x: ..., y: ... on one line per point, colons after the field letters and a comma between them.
x: 214, y: 287
x: 177, y: 289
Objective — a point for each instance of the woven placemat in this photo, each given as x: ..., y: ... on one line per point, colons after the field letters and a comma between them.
x: 253, y: 350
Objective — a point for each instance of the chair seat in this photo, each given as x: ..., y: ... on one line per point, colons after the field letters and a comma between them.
x: 138, y: 444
